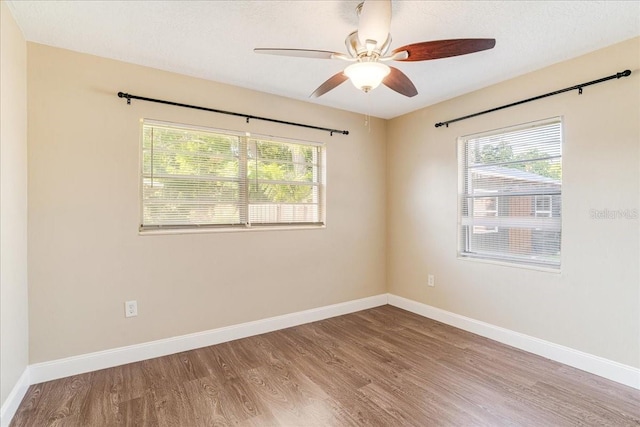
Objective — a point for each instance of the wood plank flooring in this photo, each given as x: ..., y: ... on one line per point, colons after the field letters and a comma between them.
x: 378, y: 367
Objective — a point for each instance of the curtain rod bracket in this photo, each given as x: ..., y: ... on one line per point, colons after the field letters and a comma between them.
x: 125, y: 95
x: 580, y: 86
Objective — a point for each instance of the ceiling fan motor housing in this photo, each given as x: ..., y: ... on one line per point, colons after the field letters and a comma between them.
x: 358, y: 50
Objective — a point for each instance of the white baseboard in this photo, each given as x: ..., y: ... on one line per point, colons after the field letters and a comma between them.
x: 61, y: 368
x: 10, y: 405
x: 600, y: 366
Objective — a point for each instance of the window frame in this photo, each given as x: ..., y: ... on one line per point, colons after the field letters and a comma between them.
x: 466, y: 228
x: 244, y: 198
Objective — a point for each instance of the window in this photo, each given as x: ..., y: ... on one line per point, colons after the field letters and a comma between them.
x: 510, y: 194
x: 543, y: 206
x: 203, y: 178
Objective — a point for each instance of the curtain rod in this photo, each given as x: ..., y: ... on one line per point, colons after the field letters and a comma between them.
x: 129, y: 97
x: 579, y: 87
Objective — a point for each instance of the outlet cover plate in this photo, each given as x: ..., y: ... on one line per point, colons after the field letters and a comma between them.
x: 130, y: 308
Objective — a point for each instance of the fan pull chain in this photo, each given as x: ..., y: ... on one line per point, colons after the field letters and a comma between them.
x: 367, y: 122
x: 367, y: 116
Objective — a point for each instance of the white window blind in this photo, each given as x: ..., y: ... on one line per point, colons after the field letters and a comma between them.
x: 510, y: 194
x: 196, y: 178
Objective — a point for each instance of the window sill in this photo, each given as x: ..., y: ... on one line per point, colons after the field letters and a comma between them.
x: 204, y: 230
x: 510, y: 264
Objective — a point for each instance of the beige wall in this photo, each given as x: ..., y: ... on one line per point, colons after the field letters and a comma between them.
x: 14, y: 332
x: 593, y: 304
x: 86, y: 257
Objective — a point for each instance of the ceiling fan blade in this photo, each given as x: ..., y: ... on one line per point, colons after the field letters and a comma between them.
x: 332, y: 83
x: 444, y: 48
x: 398, y: 81
x: 374, y: 22
x: 301, y: 53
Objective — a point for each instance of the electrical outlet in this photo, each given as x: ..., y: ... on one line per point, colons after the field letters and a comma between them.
x: 431, y: 280
x: 130, y: 308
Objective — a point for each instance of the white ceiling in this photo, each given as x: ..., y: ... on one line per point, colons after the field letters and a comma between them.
x: 215, y: 40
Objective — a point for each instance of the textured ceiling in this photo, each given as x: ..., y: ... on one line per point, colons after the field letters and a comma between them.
x: 215, y: 40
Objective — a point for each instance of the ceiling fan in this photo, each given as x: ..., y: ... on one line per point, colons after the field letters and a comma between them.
x: 368, y: 49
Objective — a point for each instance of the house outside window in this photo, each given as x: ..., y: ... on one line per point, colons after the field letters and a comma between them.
x: 199, y: 178
x: 510, y: 195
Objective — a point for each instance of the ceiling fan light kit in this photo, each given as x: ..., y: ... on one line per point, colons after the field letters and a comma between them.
x: 367, y: 47
x: 367, y: 76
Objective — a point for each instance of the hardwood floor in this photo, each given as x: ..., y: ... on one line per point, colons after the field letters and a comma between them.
x: 379, y: 367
